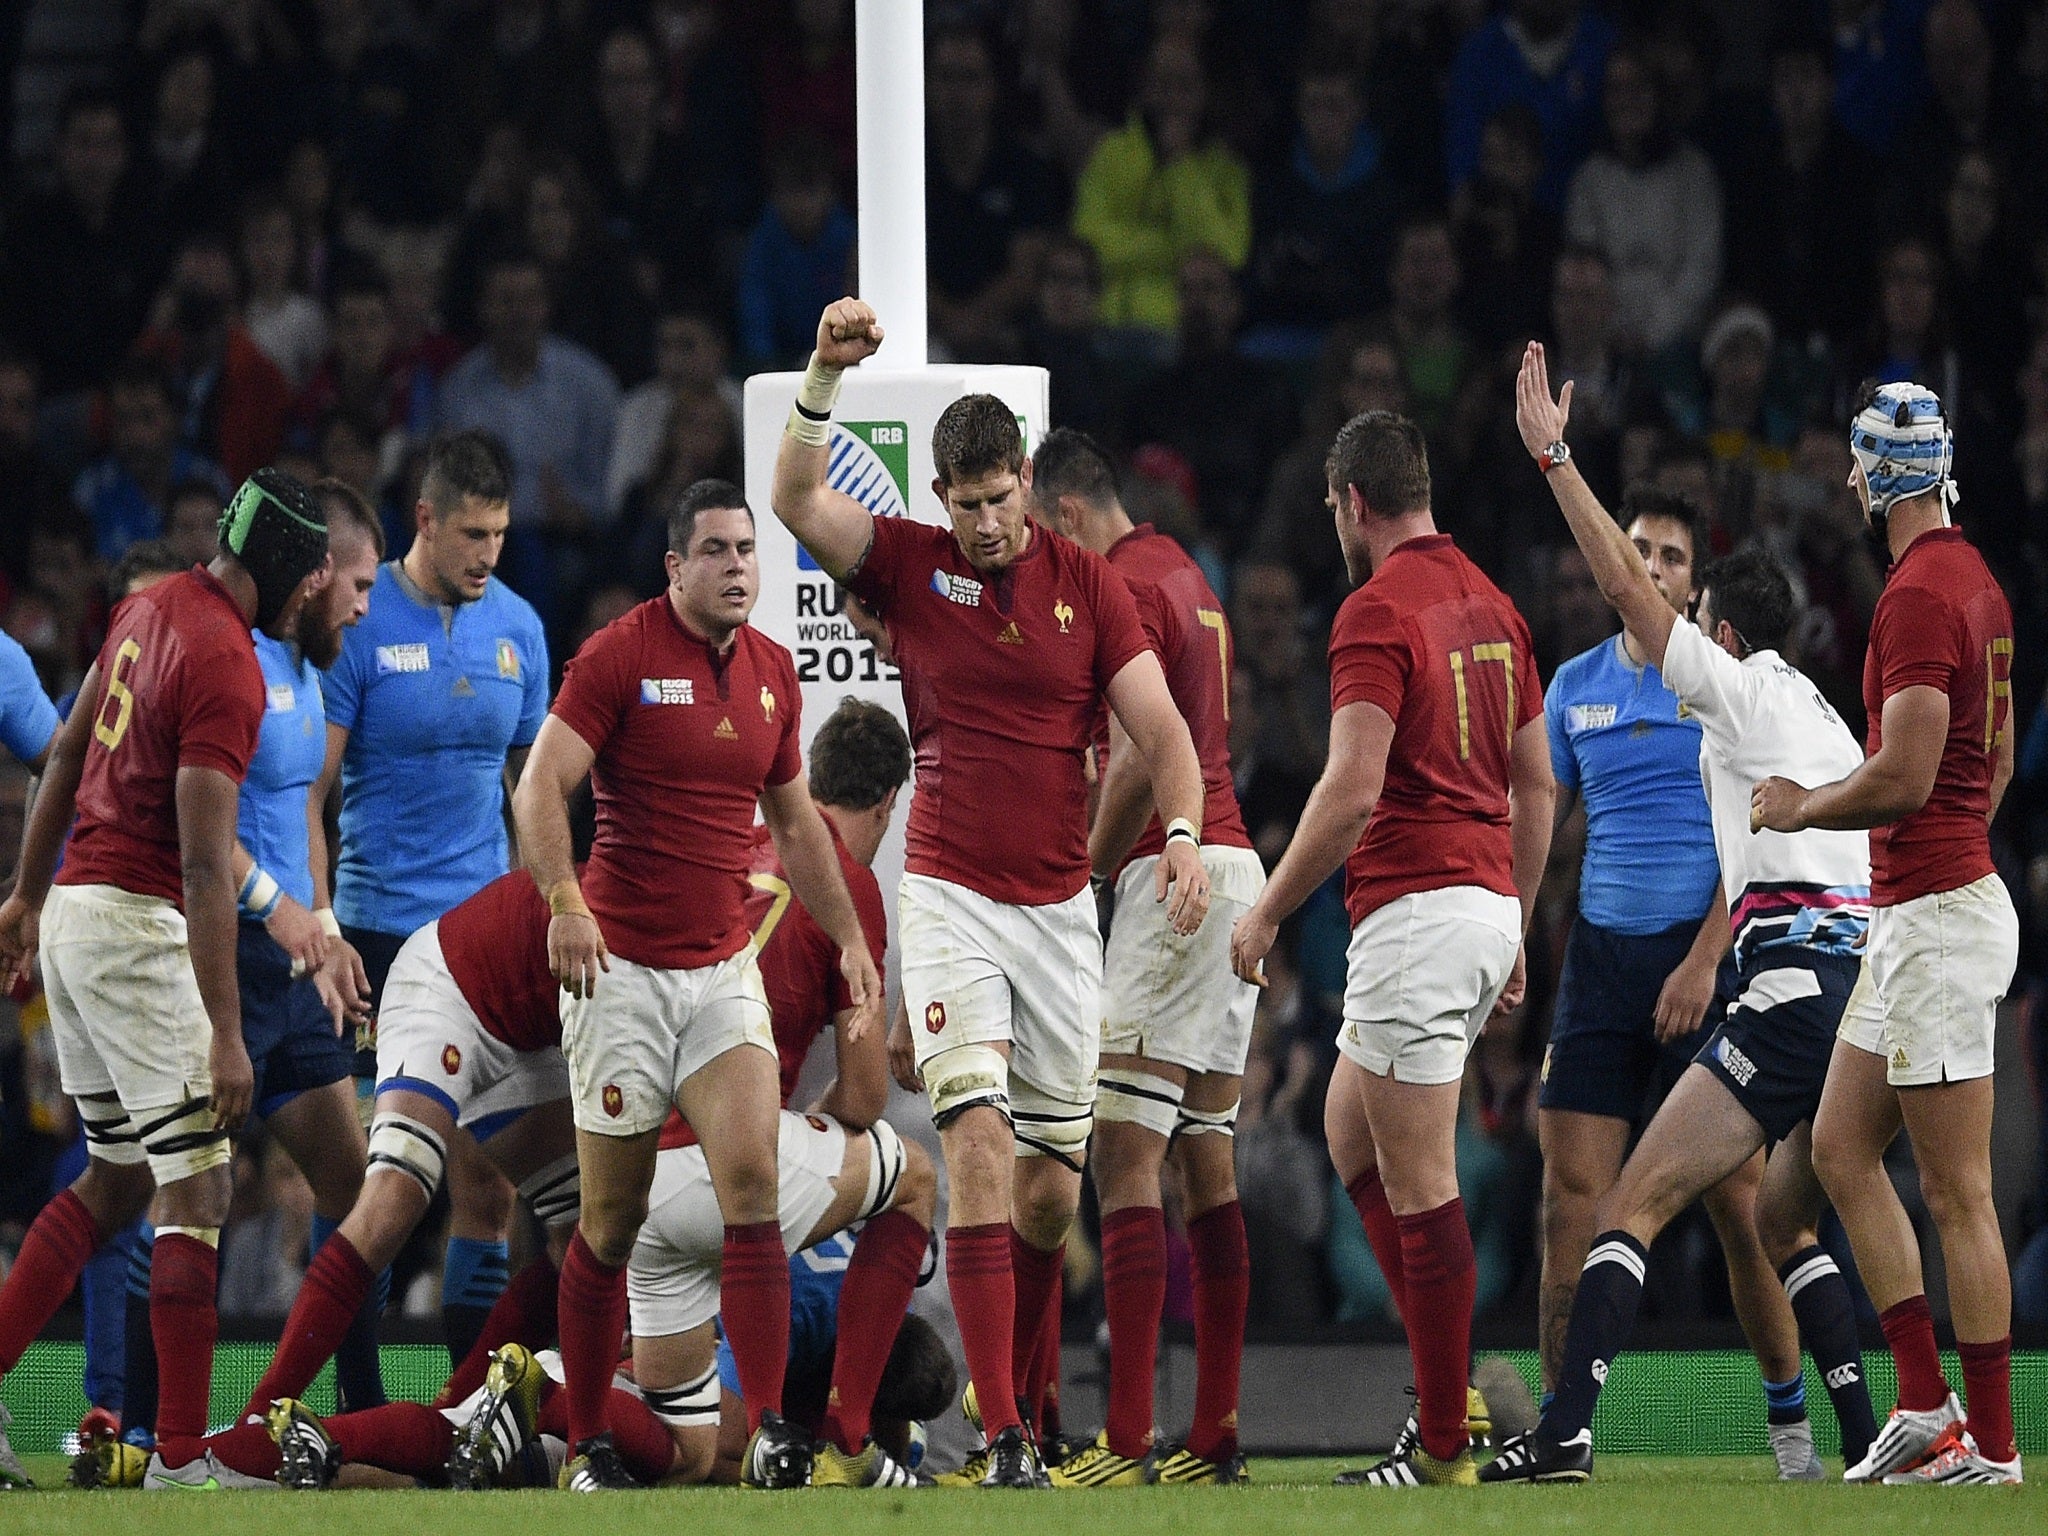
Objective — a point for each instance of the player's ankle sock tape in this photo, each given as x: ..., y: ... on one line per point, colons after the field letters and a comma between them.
x: 1603, y: 1312
x: 1785, y: 1401
x: 1827, y: 1324
x: 475, y: 1272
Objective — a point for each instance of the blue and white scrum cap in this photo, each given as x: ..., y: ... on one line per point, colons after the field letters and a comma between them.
x: 1902, y: 440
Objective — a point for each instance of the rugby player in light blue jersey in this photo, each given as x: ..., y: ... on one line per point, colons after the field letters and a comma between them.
x: 1639, y: 967
x: 437, y: 695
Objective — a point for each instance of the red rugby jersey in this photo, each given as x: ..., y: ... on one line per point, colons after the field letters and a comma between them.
x: 179, y: 687
x: 799, y: 962
x: 496, y: 946
x: 1003, y: 677
x: 686, y: 739
x: 1941, y: 623
x: 1196, y: 649
x: 1442, y: 650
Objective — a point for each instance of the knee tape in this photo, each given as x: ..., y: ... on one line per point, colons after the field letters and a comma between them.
x: 1048, y: 1127
x: 885, y: 1168
x: 1131, y: 1097
x: 1209, y: 1122
x: 182, y: 1142
x: 110, y: 1135
x: 403, y: 1144
x: 555, y: 1193
x: 967, y: 1075
x: 693, y: 1405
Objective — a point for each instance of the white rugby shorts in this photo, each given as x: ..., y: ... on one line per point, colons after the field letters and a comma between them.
x: 979, y: 972
x: 1934, y: 972
x: 430, y: 1041
x: 1171, y: 998
x: 648, y: 1030
x: 1422, y: 974
x: 672, y: 1282
x: 125, y: 1010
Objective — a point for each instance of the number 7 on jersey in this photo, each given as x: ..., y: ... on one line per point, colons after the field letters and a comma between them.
x: 1485, y: 651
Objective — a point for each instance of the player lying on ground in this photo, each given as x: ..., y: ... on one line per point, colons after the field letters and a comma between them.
x: 1800, y: 908
x: 1916, y: 1046
x: 1010, y: 639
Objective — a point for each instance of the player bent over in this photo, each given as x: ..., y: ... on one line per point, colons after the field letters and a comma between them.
x: 1437, y: 801
x: 1916, y: 1045
x: 1176, y: 1021
x: 468, y: 1036
x: 1799, y: 908
x: 1009, y: 638
x: 138, y: 937
x: 685, y: 719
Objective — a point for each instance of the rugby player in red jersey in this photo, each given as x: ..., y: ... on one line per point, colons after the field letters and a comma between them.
x: 1437, y: 800
x: 1009, y: 638
x: 1916, y: 1040
x: 1177, y: 1021
x: 139, y: 933
x: 685, y: 719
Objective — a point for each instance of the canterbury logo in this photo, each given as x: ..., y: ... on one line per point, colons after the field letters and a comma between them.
x: 1843, y: 1376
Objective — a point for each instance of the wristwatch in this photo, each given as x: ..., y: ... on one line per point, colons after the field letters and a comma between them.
x: 1557, y: 453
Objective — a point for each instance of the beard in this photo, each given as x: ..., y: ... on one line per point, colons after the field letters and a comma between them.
x: 318, y: 641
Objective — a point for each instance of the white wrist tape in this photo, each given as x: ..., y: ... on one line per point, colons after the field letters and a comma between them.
x: 329, y: 923
x: 259, y: 895
x: 810, y: 420
x: 1180, y: 826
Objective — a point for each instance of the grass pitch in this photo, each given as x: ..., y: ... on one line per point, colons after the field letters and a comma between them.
x: 1631, y: 1496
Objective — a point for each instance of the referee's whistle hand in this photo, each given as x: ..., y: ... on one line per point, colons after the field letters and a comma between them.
x: 576, y: 953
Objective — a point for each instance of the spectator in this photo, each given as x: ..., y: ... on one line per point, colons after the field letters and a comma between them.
x: 1071, y: 79
x: 989, y: 202
x: 797, y: 258
x: 552, y: 405
x: 689, y: 358
x: 192, y: 523
x: 1507, y: 241
x: 1572, y: 616
x: 233, y: 401
x: 1961, y: 110
x: 1227, y: 415
x: 1063, y: 336
x: 1796, y: 232
x: 1987, y: 268
x: 190, y: 173
x: 350, y: 449
x: 1436, y: 353
x: 126, y: 494
x: 309, y: 193
x: 1747, y: 423
x: 82, y: 259
x: 1359, y: 370
x: 1288, y: 679
x: 1811, y: 517
x: 289, y: 327
x: 1609, y: 391
x: 807, y: 83
x: 1880, y: 72
x: 654, y: 196
x: 594, y: 295
x: 708, y: 86
x: 28, y: 487
x: 357, y: 374
x: 700, y: 441
x: 2030, y: 452
x: 354, y: 90
x: 1907, y: 336
x: 1158, y: 188
x: 1323, y: 214
x: 58, y: 615
x: 1549, y: 54
x: 1651, y: 202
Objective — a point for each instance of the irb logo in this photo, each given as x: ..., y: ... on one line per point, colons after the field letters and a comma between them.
x: 869, y: 461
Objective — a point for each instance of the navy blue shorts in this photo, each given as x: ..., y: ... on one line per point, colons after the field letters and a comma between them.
x: 285, y: 1026
x: 1773, y: 1047
x: 378, y: 951
x: 1604, y: 1057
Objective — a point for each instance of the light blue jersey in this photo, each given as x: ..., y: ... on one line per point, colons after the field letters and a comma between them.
x: 27, y: 717
x: 291, y: 748
x: 432, y: 697
x: 1620, y: 738
x: 816, y: 1275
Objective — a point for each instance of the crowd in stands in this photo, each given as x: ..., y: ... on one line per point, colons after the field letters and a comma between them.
x: 314, y: 232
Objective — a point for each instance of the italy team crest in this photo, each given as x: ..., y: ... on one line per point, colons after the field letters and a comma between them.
x: 508, y: 660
